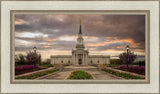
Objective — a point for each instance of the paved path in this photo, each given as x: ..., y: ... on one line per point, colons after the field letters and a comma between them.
x: 59, y: 75
x: 97, y: 74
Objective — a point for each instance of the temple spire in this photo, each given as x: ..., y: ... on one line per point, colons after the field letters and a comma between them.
x: 80, y: 32
x: 80, y: 21
x: 80, y: 44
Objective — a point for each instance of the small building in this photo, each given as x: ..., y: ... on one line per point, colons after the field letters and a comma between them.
x: 80, y: 56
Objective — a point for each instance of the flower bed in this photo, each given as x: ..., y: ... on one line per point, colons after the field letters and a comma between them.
x: 36, y: 75
x: 25, y: 67
x: 123, y: 75
x: 80, y: 75
x: 135, y: 69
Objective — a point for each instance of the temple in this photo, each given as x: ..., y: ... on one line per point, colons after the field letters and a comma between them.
x: 80, y: 56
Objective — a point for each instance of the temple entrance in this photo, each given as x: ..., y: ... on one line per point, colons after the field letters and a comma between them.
x: 80, y: 61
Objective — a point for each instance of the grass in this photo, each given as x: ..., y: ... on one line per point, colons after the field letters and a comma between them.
x: 110, y: 65
x: 46, y: 65
x: 80, y: 75
x: 123, y: 75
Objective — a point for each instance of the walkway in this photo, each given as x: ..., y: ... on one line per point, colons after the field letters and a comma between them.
x: 97, y: 74
x: 59, y: 75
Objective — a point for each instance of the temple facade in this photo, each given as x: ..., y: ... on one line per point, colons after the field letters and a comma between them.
x: 80, y: 56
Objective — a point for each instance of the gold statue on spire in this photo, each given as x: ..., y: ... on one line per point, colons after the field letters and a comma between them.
x: 80, y: 21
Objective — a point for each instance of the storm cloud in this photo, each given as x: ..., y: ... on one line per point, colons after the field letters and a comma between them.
x: 59, y: 32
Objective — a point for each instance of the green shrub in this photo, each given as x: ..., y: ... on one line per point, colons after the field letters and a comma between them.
x: 115, y: 62
x: 109, y: 65
x: 141, y: 63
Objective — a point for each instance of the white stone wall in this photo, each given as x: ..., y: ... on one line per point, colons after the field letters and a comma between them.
x: 61, y: 60
x: 66, y: 59
x: 98, y: 59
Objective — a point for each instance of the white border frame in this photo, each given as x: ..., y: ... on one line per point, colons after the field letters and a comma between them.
x: 152, y: 6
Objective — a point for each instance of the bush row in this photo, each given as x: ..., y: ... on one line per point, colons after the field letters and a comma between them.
x: 135, y: 69
x: 25, y: 67
x: 119, y: 62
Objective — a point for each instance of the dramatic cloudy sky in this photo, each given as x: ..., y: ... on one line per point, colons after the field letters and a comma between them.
x: 56, y: 34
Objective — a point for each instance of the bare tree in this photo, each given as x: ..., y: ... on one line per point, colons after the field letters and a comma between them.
x: 127, y: 57
x: 33, y: 58
x: 20, y: 59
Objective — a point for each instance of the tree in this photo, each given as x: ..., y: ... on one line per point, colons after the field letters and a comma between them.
x: 115, y: 61
x: 131, y: 57
x: 20, y: 59
x: 48, y: 61
x: 33, y: 58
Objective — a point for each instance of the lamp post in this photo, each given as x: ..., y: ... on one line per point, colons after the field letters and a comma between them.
x: 35, y: 48
x: 127, y: 47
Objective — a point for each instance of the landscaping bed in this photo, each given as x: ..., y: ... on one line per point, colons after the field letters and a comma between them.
x: 27, y: 71
x: 134, y: 69
x: 123, y: 75
x: 80, y: 75
x: 36, y: 75
x: 26, y: 68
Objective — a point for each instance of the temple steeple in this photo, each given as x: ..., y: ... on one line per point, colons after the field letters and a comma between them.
x: 80, y: 32
x: 80, y: 44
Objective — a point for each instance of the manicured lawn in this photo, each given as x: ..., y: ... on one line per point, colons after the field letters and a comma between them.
x: 80, y: 75
x: 36, y: 75
x: 123, y: 75
x: 47, y: 65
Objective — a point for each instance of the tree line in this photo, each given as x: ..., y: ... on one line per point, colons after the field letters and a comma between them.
x: 29, y: 59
